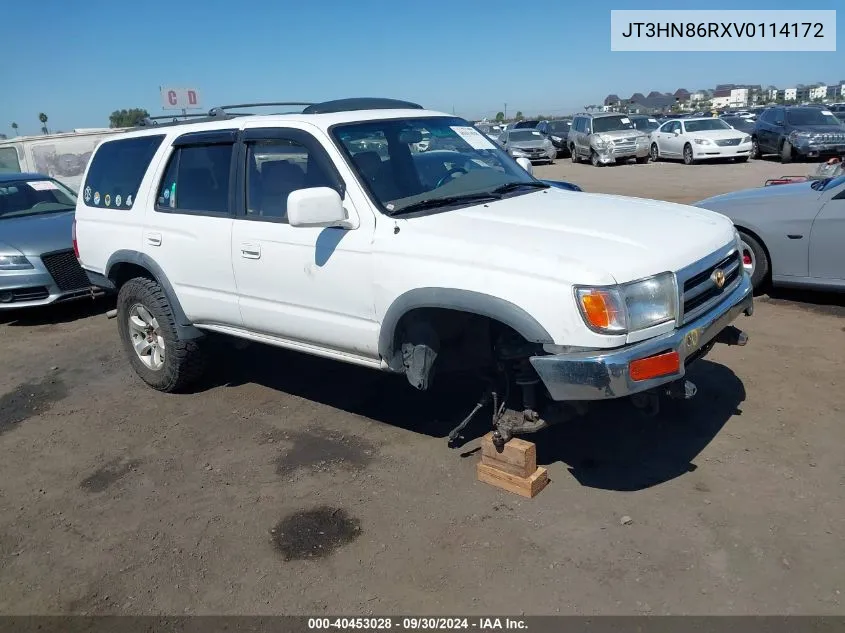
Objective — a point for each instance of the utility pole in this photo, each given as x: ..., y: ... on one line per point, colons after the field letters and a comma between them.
x: 506, y: 112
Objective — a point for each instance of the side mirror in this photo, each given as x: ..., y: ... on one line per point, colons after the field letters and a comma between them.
x: 525, y: 164
x: 317, y: 207
x: 677, y: 132
x: 779, y: 123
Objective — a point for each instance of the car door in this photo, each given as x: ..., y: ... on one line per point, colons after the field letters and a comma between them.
x: 188, y: 225
x: 770, y: 130
x: 660, y: 136
x: 308, y: 286
x: 670, y: 142
x: 827, y: 238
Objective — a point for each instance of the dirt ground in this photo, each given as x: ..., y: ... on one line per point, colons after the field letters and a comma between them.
x: 288, y: 484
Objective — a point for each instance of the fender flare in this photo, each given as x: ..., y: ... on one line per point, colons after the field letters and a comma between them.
x: 461, y: 300
x: 185, y: 330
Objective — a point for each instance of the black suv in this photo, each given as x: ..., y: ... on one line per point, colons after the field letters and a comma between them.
x: 557, y: 132
x: 528, y: 123
x: 798, y: 131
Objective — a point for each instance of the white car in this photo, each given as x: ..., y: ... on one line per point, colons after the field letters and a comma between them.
x: 692, y: 140
x: 289, y: 230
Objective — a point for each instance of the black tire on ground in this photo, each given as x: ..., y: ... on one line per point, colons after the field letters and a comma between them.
x: 594, y: 159
x: 184, y: 361
x: 742, y: 159
x: 642, y: 160
x: 573, y: 154
x: 761, y: 268
x: 786, y: 152
x: 688, y: 155
x: 655, y: 152
x: 755, y: 148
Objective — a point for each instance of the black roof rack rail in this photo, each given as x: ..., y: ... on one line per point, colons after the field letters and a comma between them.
x: 222, y: 110
x: 360, y: 103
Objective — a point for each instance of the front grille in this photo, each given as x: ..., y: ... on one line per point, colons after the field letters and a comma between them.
x: 727, y: 141
x: 829, y: 138
x: 534, y: 150
x: 700, y: 292
x: 65, y: 270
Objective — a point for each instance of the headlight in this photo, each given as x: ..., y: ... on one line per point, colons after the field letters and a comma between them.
x: 745, y: 139
x: 557, y: 138
x: 629, y: 307
x: 14, y: 262
x: 642, y: 139
x: 703, y: 141
x: 603, y: 141
x: 518, y: 153
x: 799, y: 137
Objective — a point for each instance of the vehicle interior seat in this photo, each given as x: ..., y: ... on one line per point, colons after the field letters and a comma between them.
x: 377, y: 174
x: 278, y: 179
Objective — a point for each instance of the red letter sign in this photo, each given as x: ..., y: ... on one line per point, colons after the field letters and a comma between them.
x: 171, y: 97
x: 192, y: 98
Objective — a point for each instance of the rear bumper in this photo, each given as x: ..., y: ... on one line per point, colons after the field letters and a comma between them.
x: 604, y: 374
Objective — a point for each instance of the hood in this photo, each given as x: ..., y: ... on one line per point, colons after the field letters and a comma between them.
x: 718, y: 134
x: 36, y: 234
x: 760, y: 195
x: 623, y: 134
x: 818, y: 129
x: 526, y: 144
x: 571, y: 236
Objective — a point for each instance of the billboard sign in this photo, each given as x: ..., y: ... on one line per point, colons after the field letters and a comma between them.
x: 180, y: 98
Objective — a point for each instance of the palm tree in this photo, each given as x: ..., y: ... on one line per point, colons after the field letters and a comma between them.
x: 15, y: 127
x: 43, y: 118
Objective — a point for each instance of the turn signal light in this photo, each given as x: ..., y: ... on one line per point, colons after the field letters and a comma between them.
x: 654, y: 366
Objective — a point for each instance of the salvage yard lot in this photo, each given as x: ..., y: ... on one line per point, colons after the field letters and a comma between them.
x: 289, y: 484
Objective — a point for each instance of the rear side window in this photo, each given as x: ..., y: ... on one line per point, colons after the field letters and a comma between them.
x: 117, y: 170
x: 197, y: 180
x: 9, y: 160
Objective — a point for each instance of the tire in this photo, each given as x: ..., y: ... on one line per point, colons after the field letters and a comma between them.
x: 688, y: 155
x: 786, y: 152
x: 760, y: 260
x: 573, y: 154
x: 655, y: 152
x: 755, y: 148
x: 742, y: 159
x: 594, y: 159
x: 642, y: 160
x: 179, y: 363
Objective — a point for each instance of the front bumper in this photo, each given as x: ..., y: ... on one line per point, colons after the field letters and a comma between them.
x: 35, y: 287
x: 604, y: 374
x: 820, y: 149
x: 546, y: 155
x: 703, y: 152
x: 612, y: 154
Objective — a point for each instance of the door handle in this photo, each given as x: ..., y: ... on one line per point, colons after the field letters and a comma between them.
x: 154, y: 239
x: 251, y: 251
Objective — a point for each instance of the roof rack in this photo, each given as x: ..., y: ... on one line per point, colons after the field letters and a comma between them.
x: 220, y: 113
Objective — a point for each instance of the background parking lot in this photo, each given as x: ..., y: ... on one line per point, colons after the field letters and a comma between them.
x: 289, y: 484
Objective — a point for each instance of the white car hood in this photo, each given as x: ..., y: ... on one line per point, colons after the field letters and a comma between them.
x: 575, y: 237
x: 718, y: 134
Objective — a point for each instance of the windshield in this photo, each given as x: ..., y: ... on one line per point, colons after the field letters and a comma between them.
x: 560, y: 127
x: 526, y: 124
x: 31, y: 197
x: 706, y: 125
x: 811, y: 116
x: 399, y: 172
x: 611, y: 123
x: 646, y: 124
x: 525, y: 135
x: 739, y: 123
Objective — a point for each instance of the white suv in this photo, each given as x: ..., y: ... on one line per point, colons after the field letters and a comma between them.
x: 330, y: 232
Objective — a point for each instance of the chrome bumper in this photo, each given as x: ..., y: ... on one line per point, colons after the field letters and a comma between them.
x: 611, y: 155
x: 603, y: 374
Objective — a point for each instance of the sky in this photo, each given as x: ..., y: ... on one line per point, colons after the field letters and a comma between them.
x: 79, y: 61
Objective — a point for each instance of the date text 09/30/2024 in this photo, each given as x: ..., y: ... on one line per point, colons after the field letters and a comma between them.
x: 417, y: 624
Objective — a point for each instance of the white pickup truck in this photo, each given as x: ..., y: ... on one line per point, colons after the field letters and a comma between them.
x: 330, y: 231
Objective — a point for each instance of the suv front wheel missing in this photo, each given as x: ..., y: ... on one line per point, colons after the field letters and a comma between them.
x: 148, y: 332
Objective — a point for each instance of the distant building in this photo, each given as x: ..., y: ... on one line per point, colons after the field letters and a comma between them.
x: 789, y: 94
x: 817, y: 92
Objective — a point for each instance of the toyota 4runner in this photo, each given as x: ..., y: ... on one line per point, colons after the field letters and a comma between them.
x: 331, y: 232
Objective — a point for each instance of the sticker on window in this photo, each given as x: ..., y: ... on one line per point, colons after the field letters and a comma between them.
x: 42, y: 185
x: 625, y: 120
x: 827, y: 113
x: 652, y: 120
x: 473, y: 137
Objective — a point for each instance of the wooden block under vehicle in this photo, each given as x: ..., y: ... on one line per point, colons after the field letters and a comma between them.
x: 526, y: 486
x: 518, y: 457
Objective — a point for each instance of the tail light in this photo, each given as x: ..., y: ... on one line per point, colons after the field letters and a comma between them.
x: 73, y: 237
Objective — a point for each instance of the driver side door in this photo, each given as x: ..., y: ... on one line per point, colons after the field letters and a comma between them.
x: 674, y: 140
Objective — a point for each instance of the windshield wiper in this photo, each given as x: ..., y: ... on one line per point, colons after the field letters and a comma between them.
x: 512, y: 186
x: 433, y: 203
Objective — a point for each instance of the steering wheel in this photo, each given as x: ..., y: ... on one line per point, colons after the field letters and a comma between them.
x: 448, y: 176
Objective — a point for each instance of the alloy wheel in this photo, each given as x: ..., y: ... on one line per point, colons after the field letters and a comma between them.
x: 146, y: 337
